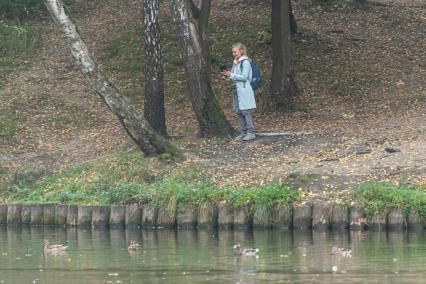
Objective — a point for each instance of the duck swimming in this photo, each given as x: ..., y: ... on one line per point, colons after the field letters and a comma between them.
x: 239, y: 251
x: 133, y: 246
x: 53, y: 249
x: 341, y: 251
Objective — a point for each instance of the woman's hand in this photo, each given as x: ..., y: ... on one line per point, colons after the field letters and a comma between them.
x: 226, y: 73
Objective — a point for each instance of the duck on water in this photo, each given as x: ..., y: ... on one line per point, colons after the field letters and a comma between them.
x: 239, y: 251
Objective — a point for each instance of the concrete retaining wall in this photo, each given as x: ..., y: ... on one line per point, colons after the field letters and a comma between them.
x: 318, y: 216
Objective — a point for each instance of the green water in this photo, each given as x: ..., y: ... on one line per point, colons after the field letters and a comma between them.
x: 207, y: 257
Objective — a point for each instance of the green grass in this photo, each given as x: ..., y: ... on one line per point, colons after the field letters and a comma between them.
x: 379, y: 197
x: 132, y: 178
x: 126, y: 178
x: 17, y: 43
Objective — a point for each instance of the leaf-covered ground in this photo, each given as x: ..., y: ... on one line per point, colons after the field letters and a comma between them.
x: 360, y: 116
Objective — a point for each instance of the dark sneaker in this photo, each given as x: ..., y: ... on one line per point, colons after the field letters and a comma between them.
x: 240, y: 137
x: 249, y: 136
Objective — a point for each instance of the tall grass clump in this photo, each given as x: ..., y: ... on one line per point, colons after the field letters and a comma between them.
x: 379, y: 197
x: 263, y: 198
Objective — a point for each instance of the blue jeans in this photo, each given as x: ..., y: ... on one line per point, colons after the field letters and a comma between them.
x: 246, y: 121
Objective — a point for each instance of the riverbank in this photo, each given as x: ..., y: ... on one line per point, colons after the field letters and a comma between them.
x: 359, y: 118
x: 132, y: 183
x: 321, y: 216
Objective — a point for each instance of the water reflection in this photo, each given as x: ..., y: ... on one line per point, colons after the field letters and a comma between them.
x: 205, y: 256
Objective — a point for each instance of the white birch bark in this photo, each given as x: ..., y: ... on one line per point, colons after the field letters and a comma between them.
x: 137, y: 128
x: 154, y: 110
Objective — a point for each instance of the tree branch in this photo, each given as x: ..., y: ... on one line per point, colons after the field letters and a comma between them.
x: 136, y: 127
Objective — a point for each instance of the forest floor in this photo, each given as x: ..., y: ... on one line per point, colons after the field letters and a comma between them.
x: 360, y: 115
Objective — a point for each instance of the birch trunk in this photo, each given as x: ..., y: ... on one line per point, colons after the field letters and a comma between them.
x: 154, y: 111
x: 137, y: 128
x: 283, y: 87
x: 210, y: 116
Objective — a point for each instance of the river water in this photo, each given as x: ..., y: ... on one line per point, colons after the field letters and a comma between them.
x: 101, y: 256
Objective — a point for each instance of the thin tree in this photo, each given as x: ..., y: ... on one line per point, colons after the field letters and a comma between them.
x: 283, y: 86
x: 136, y: 127
x: 202, y: 15
x: 154, y: 111
x: 210, y: 116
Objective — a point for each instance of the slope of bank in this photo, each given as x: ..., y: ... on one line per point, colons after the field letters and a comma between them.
x: 360, y: 116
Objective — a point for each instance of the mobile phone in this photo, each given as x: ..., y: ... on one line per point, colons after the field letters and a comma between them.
x: 223, y: 67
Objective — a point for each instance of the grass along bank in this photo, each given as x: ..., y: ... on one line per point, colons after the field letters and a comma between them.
x: 379, y: 197
x: 131, y: 178
x: 126, y: 178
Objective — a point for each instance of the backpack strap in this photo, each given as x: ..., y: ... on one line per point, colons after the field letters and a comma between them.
x: 241, y: 64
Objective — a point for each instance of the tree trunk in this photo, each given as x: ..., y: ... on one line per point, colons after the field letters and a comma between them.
x: 293, y: 23
x: 138, y: 129
x: 154, y: 111
x: 202, y: 16
x: 283, y: 87
x: 211, y: 119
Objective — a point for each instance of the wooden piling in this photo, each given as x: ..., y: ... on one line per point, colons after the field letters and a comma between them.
x: 100, y: 216
x: 117, y: 216
x: 262, y: 217
x: 396, y: 219
x: 149, y: 216
x: 84, y: 216
x: 133, y: 215
x: 26, y: 214
x: 14, y: 214
x: 207, y: 216
x: 243, y: 218
x: 36, y: 215
x: 166, y: 218
x: 225, y: 218
x: 282, y: 217
x: 3, y: 214
x: 187, y: 217
x: 61, y: 212
x: 72, y: 215
x: 340, y: 217
x: 377, y: 222
x: 49, y: 214
x: 357, y: 217
x: 302, y: 216
x: 415, y: 222
x: 321, y: 216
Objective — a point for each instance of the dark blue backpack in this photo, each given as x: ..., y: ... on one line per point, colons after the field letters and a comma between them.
x: 256, y: 81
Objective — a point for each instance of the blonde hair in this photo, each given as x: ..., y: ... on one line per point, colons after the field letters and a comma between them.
x: 241, y: 47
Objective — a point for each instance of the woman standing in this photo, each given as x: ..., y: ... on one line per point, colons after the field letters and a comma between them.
x: 243, y: 94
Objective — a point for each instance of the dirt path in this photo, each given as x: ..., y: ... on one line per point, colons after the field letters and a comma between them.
x: 362, y: 76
